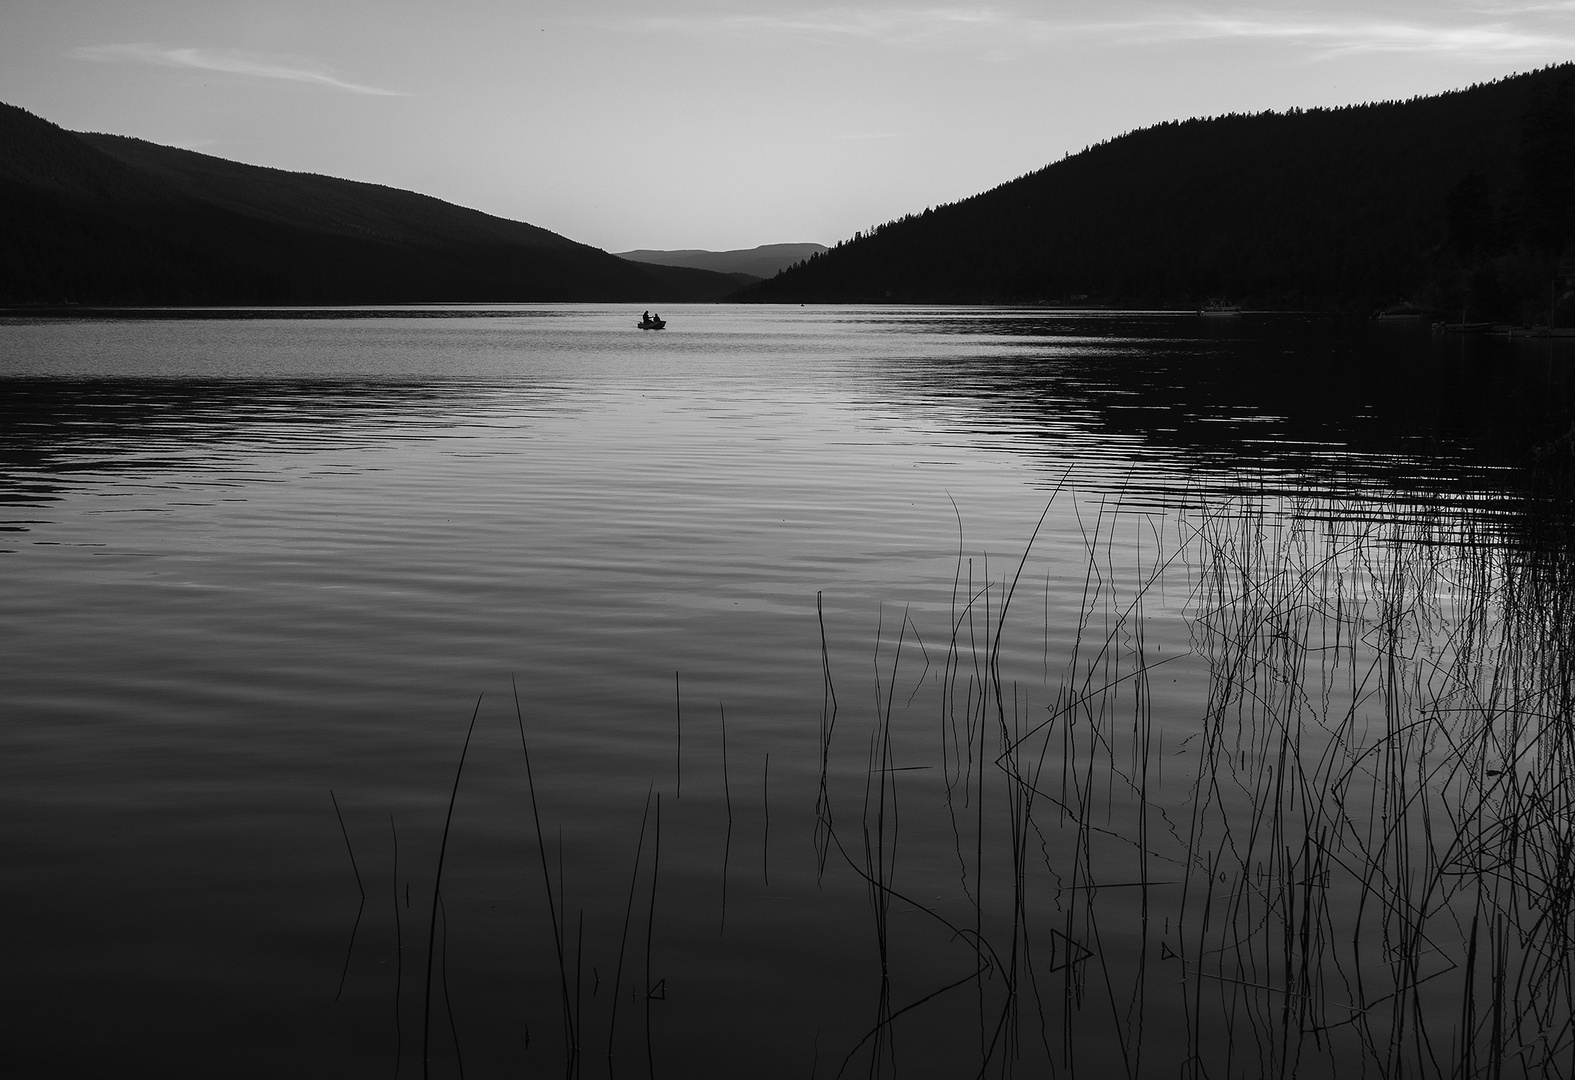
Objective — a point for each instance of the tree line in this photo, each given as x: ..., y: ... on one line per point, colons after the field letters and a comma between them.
x: 1459, y: 199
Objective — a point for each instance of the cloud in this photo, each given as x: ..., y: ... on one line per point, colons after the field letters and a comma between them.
x: 880, y: 25
x: 1520, y: 7
x: 1328, y: 36
x: 222, y: 60
x: 1489, y: 29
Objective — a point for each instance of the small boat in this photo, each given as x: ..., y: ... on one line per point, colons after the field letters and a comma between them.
x: 651, y: 324
x: 1403, y: 310
x: 1217, y: 308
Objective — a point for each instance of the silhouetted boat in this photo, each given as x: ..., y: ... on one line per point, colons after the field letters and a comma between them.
x: 652, y: 324
x: 1218, y: 308
x: 1406, y: 310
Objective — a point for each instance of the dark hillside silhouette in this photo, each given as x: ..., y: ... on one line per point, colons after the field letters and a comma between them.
x: 1351, y: 207
x: 1547, y: 166
x: 106, y: 219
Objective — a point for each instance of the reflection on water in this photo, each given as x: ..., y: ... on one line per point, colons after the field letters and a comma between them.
x: 1153, y: 400
x: 252, y: 560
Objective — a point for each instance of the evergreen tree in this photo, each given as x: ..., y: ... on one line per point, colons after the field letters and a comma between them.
x: 1469, y: 217
x: 1547, y: 162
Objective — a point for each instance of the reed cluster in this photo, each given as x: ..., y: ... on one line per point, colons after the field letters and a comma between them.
x: 1290, y: 792
x: 1351, y: 851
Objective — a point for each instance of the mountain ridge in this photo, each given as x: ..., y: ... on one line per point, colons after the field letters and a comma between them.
x: 1324, y: 208
x: 763, y: 261
x: 106, y: 219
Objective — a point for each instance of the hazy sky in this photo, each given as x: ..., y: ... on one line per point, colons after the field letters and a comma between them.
x: 721, y: 123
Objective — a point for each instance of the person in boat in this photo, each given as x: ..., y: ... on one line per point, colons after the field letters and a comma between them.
x: 646, y: 317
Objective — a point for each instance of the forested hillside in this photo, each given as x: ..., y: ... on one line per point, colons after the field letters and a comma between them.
x: 1465, y: 198
x: 106, y: 219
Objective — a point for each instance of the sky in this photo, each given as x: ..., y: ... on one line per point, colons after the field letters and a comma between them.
x: 722, y: 123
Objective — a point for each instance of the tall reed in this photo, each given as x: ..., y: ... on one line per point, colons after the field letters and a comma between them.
x: 1334, y: 831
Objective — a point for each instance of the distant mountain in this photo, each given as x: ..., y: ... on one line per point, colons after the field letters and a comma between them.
x: 1462, y: 200
x: 105, y: 219
x: 759, y: 262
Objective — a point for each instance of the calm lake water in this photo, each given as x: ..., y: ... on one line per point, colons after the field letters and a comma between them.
x: 250, y: 561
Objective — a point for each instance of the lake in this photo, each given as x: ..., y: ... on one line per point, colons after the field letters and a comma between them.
x: 504, y: 688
